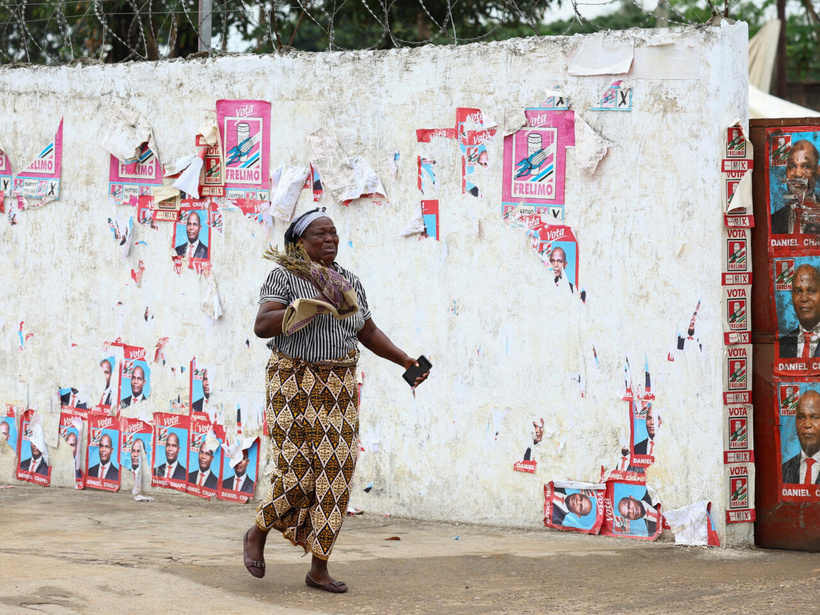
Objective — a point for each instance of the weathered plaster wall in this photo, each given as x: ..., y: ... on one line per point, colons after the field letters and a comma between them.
x: 648, y: 222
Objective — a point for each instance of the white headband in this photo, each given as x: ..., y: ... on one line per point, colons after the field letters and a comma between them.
x: 305, y: 222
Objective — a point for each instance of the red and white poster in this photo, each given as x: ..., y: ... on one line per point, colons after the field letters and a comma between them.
x: 103, y: 452
x: 130, y: 179
x: 212, y: 175
x: 738, y: 434
x: 737, y: 374
x: 32, y: 453
x: 741, y: 487
x: 737, y: 314
x: 798, y: 440
x: 574, y: 506
x: 737, y: 257
x: 244, y: 130
x: 170, y: 451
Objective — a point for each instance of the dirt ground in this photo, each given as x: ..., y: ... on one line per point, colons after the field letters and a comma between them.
x: 65, y: 552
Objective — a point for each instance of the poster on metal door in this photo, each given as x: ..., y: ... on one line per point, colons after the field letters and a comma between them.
x: 790, y: 172
x: 796, y: 293
x: 798, y: 441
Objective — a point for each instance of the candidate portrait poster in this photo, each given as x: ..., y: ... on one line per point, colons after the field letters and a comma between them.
x: 192, y: 235
x: 204, y: 457
x: 796, y: 290
x: 240, y: 472
x: 102, y: 453
x: 170, y: 451
x: 32, y: 453
x: 798, y: 441
x: 136, y: 443
x: 135, y: 376
x: 8, y: 426
x: 632, y: 511
x: 71, y: 426
x: 574, y: 506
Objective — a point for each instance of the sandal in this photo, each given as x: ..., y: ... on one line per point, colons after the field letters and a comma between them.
x: 334, y: 587
x: 256, y: 568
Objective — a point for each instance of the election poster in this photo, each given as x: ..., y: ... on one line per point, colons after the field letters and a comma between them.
x: 192, y: 235
x: 8, y: 426
x: 170, y: 451
x: 556, y: 246
x: 737, y: 257
x: 244, y: 130
x: 240, y: 470
x: 632, y: 510
x: 200, y: 383
x: 790, y: 174
x: 136, y: 443
x: 102, y: 452
x: 204, y: 457
x: 135, y: 376
x: 644, y: 424
x: 737, y: 374
x: 71, y: 427
x: 574, y: 506
x: 736, y: 175
x: 737, y: 314
x: 796, y: 290
x: 32, y: 453
x: 110, y: 392
x: 5, y: 176
x: 474, y: 132
x: 39, y: 182
x: 740, y: 482
x: 738, y: 434
x: 130, y: 179
x: 798, y: 440
x: 211, y: 176
x: 534, y: 167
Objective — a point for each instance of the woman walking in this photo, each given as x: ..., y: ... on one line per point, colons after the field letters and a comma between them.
x: 315, y: 313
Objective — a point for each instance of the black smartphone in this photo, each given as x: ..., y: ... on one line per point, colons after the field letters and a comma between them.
x: 414, y: 372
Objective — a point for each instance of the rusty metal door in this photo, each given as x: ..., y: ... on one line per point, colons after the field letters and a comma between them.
x: 788, y: 515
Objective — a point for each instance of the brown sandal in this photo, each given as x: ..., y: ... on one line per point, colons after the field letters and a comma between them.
x: 256, y: 568
x: 334, y: 587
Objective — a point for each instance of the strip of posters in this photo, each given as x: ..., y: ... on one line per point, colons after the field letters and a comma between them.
x: 792, y: 166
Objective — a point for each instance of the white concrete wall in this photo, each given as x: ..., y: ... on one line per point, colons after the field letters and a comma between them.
x: 648, y: 222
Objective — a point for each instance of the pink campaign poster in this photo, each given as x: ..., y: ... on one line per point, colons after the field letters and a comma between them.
x: 535, y: 163
x: 244, y: 128
x: 40, y: 180
x: 5, y: 176
x: 131, y: 179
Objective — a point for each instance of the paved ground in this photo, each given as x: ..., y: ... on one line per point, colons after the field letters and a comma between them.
x: 64, y: 552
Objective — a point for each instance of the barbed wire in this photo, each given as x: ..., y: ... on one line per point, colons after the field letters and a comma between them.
x: 63, y: 31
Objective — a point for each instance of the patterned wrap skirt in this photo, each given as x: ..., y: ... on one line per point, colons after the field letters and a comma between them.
x: 313, y: 422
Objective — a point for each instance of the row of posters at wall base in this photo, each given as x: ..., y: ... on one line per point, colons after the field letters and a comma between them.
x: 184, y: 453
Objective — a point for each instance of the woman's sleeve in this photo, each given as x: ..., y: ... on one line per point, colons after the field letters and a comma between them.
x: 362, y: 298
x: 276, y: 288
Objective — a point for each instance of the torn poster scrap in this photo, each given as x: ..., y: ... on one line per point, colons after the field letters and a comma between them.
x: 240, y: 469
x: 288, y: 183
x: 617, y: 97
x: 244, y: 129
x: 5, y: 176
x: 535, y: 163
x: 574, y: 506
x: 693, y: 525
x: 8, y: 426
x: 32, y: 453
x: 736, y: 171
x: 134, y: 177
x: 529, y: 463
x: 136, y: 443
x: 71, y: 425
x: 346, y: 177
x: 601, y: 55
x: 103, y: 453
x: 39, y: 182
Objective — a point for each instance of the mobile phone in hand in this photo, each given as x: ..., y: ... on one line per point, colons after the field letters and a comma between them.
x: 414, y: 372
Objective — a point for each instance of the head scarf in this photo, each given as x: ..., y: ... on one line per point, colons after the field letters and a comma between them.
x: 298, y: 226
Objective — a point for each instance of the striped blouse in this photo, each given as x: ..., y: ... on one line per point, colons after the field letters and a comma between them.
x: 324, y: 338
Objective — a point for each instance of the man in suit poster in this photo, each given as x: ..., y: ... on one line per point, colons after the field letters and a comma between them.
x: 204, y: 458
x: 32, y: 452
x: 103, y: 453
x: 800, y: 442
x: 170, y: 450
x: 239, y: 471
x: 135, y: 383
x: 799, y: 300
x: 573, y: 506
x: 632, y: 511
x: 191, y: 236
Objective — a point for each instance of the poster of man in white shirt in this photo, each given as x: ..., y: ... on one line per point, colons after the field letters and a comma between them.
x: 192, y: 235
